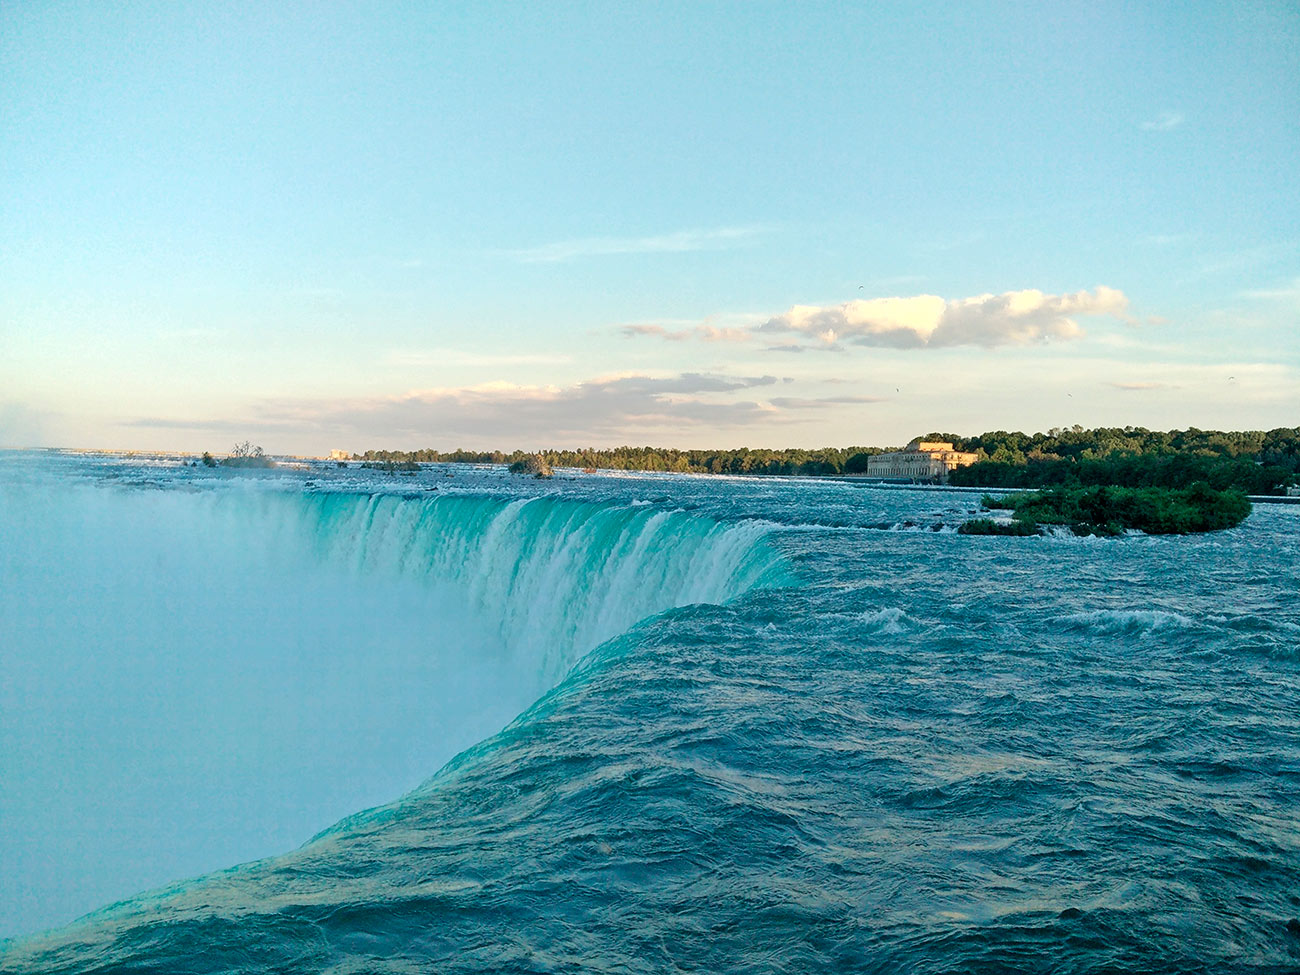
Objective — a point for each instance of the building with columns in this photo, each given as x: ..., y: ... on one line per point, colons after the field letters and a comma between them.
x: 920, y: 460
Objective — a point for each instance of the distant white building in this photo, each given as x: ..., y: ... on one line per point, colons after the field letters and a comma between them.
x: 339, y: 455
x: 921, y: 460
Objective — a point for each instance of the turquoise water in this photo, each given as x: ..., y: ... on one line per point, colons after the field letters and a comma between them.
x: 692, y: 724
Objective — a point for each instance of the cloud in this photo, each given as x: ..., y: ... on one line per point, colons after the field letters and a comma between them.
x: 705, y: 333
x: 658, y: 331
x: 678, y: 242
x: 1245, y: 259
x: 1137, y: 387
x: 1164, y: 122
x: 716, y: 333
x: 233, y: 430
x: 1288, y: 292
x: 606, y: 408
x: 795, y: 347
x: 802, y: 403
x: 1012, y: 318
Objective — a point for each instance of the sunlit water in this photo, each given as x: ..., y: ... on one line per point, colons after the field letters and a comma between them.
x: 762, y: 725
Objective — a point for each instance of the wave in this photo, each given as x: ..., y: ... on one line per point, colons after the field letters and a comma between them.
x: 1127, y: 621
x: 891, y: 620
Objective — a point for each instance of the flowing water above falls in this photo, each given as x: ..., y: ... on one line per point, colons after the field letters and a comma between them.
x: 824, y: 747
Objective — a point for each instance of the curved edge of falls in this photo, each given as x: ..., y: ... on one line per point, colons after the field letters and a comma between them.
x: 125, y: 612
x: 559, y: 576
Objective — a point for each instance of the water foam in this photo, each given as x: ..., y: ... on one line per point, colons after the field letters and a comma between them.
x: 1127, y: 621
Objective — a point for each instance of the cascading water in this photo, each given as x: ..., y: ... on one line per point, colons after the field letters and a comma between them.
x: 203, y: 677
x: 558, y: 577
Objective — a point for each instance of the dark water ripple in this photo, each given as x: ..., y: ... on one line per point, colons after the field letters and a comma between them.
x: 939, y: 754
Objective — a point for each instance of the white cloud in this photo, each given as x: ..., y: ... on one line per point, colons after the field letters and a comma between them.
x: 1164, y: 122
x: 1012, y: 318
x: 901, y: 322
x: 678, y: 242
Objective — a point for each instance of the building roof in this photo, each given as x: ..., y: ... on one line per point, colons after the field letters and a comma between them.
x: 920, y: 445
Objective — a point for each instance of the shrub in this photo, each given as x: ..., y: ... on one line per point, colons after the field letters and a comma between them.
x: 389, y: 466
x: 247, y: 455
x: 533, y: 464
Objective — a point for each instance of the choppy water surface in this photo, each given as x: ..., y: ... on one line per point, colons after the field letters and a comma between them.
x: 820, y: 739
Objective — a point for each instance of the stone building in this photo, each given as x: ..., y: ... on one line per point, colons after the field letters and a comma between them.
x: 921, y: 460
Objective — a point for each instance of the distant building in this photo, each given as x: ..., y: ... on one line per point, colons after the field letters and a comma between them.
x: 921, y: 460
x: 339, y: 455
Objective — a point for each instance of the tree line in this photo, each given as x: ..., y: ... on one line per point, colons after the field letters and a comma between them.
x: 742, y: 460
x: 1252, y: 461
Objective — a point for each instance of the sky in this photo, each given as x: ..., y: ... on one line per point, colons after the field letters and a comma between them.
x: 506, y: 225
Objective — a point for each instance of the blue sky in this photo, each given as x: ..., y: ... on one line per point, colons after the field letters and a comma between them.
x: 502, y: 225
